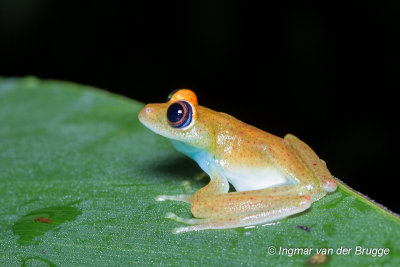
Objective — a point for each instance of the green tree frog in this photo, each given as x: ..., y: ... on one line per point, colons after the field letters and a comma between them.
x: 274, y: 177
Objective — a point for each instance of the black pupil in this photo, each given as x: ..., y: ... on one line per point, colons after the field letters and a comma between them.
x: 175, y: 112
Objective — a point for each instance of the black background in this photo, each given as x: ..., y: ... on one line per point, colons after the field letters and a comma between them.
x: 326, y: 72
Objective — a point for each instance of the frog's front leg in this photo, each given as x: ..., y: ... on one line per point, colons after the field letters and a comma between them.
x: 217, y: 185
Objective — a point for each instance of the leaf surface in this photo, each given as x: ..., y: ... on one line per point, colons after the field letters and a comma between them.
x: 79, y: 176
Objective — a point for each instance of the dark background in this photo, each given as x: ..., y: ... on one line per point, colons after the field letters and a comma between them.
x: 326, y: 72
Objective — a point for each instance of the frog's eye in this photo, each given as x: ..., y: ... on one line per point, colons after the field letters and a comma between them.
x: 179, y: 114
x: 182, y: 94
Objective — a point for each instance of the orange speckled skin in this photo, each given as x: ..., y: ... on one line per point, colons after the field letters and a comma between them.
x: 238, y: 153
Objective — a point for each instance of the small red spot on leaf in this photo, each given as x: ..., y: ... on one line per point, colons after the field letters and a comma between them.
x: 42, y: 220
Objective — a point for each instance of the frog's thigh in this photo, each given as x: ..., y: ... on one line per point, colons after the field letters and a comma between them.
x: 239, y: 211
x: 313, y: 162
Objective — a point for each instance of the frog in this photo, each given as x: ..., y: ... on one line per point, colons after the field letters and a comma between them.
x: 274, y: 177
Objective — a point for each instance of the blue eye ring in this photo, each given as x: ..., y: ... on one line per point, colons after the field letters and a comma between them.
x: 179, y: 114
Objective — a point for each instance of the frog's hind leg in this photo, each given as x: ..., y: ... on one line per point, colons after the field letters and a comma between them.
x: 313, y: 162
x: 215, y: 208
x: 245, y: 211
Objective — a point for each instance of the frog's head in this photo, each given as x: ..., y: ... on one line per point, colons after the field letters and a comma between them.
x: 179, y: 119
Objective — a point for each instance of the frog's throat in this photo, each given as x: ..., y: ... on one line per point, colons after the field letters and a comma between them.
x: 201, y: 156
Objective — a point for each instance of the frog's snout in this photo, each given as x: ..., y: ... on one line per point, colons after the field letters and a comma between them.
x: 145, y: 113
x: 152, y: 115
x: 148, y: 110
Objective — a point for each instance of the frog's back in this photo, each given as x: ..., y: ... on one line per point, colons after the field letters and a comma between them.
x: 241, y: 144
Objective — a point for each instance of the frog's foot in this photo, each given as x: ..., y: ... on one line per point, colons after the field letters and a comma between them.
x: 196, y: 224
x: 187, y: 186
x: 312, y: 161
x: 183, y: 197
x: 257, y: 212
x: 174, y: 217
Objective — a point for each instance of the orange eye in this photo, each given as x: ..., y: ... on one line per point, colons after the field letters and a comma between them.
x: 182, y: 94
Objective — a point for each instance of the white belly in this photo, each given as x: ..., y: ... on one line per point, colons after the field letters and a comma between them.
x: 248, y: 179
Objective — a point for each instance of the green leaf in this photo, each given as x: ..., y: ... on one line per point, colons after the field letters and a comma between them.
x: 78, y: 180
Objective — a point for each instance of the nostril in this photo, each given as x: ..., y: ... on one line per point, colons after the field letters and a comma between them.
x: 149, y: 110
